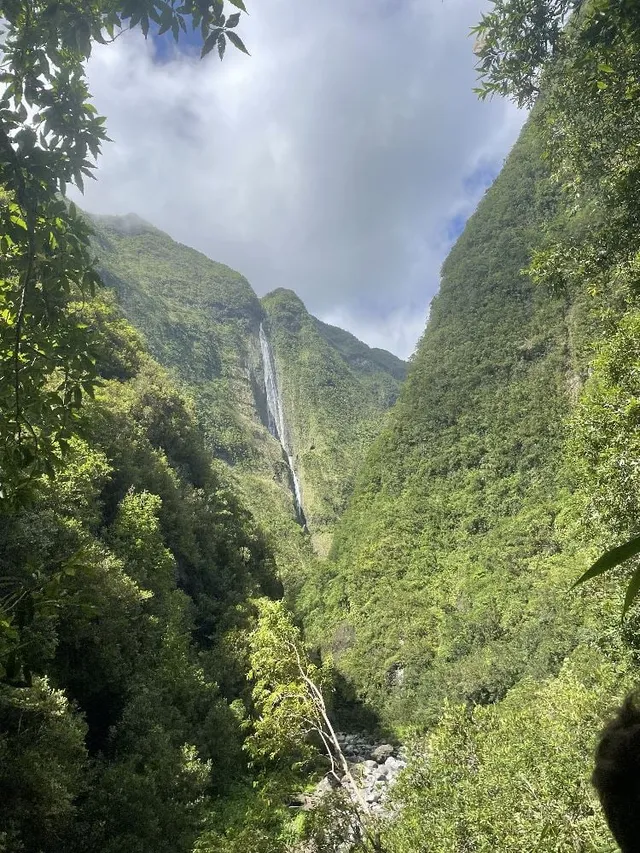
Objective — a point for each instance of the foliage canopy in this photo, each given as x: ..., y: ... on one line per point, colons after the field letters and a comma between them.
x: 50, y: 137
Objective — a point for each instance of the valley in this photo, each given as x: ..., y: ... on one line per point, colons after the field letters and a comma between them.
x: 267, y: 589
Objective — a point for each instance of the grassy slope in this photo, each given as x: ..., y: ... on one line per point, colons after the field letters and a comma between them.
x: 199, y: 317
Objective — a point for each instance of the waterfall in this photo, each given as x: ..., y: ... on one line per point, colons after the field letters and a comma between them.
x: 275, y: 414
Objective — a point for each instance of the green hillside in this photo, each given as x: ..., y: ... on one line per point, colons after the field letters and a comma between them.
x: 227, y: 527
x: 121, y: 580
x: 508, y: 464
x: 335, y: 391
x: 444, y: 565
x: 201, y: 320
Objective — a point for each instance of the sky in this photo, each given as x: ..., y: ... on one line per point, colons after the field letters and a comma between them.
x: 341, y: 159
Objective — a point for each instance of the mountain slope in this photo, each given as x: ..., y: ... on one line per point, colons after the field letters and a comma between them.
x: 202, y: 320
x: 450, y: 566
x: 120, y: 695
x: 335, y: 390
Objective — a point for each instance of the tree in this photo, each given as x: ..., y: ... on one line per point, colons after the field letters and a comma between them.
x: 588, y: 55
x: 292, y: 715
x: 50, y: 137
x: 518, y: 39
x: 513, y: 775
x: 42, y: 757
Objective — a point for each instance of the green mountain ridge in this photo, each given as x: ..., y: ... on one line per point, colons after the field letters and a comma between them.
x: 201, y: 320
x: 335, y: 391
x: 458, y: 496
x: 506, y: 465
x: 177, y: 647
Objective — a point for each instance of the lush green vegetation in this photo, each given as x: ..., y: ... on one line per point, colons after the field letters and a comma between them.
x: 513, y: 775
x: 335, y: 391
x: 201, y: 320
x: 50, y: 137
x: 450, y: 565
x: 155, y: 693
x: 120, y: 582
x: 508, y: 463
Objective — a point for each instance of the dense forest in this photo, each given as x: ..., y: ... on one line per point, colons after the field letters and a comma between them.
x: 229, y: 531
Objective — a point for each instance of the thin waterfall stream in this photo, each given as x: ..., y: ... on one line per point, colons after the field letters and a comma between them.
x: 276, y: 421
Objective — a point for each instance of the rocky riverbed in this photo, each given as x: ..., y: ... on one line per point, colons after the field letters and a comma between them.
x: 373, y: 766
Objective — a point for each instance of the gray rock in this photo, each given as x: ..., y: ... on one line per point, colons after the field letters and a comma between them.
x: 326, y: 784
x: 382, y: 752
x: 323, y: 787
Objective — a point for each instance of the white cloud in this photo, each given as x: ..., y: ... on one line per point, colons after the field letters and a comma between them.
x: 330, y: 162
x: 397, y: 331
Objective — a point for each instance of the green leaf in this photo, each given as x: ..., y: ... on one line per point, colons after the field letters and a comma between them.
x: 610, y: 559
x: 222, y: 45
x: 235, y: 40
x: 602, y: 66
x: 232, y: 20
x: 210, y: 42
x: 239, y: 5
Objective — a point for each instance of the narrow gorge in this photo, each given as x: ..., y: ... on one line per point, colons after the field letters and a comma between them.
x: 265, y: 588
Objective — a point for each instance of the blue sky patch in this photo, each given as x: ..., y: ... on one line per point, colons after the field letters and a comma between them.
x: 165, y: 46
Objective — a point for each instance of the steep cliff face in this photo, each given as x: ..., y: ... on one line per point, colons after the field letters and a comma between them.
x: 289, y: 402
x: 450, y: 566
x: 335, y: 391
x: 200, y: 319
x: 277, y: 423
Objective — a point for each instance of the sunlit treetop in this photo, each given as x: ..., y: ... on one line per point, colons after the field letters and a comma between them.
x: 517, y: 39
x: 50, y: 137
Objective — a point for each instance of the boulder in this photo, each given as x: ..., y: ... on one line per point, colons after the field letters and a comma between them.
x: 326, y: 784
x: 382, y: 752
